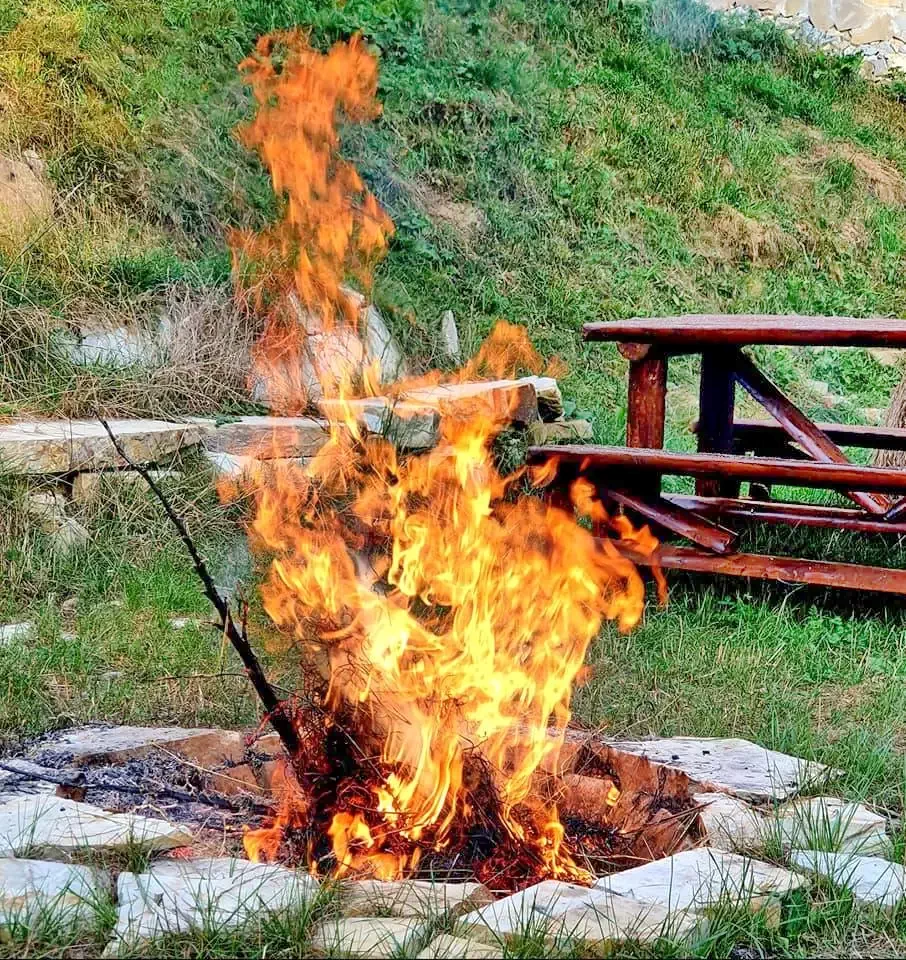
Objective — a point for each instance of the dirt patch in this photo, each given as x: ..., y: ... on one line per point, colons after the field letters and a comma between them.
x: 880, y: 178
x: 837, y: 707
x: 26, y: 201
x: 731, y: 237
x: 464, y: 220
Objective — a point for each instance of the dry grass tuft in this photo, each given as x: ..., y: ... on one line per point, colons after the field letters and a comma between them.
x: 199, y: 365
x: 731, y: 237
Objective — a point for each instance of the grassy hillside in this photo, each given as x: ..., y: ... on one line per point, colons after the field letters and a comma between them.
x: 548, y: 162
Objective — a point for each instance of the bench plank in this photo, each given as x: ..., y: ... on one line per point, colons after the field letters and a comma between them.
x: 796, y: 473
x: 780, y: 512
x: 823, y: 573
x: 697, y: 330
x: 755, y: 434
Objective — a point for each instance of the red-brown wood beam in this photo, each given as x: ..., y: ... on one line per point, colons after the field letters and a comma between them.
x: 679, y: 521
x: 822, y: 573
x: 813, y: 440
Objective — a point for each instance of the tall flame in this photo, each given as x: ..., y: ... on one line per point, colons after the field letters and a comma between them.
x: 455, y: 610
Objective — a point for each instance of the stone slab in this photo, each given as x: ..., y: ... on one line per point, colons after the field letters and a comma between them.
x: 64, y: 446
x: 89, y: 745
x: 217, y: 893
x: 832, y: 824
x: 365, y: 936
x: 269, y: 438
x: 871, y: 880
x: 511, y: 400
x: 560, y: 431
x: 550, y: 400
x: 556, y: 910
x: 14, y: 632
x: 31, y: 889
x: 697, y: 879
x: 448, y: 947
x: 826, y: 822
x: 409, y: 426
x: 55, y: 826
x: 738, y: 767
x: 411, y: 898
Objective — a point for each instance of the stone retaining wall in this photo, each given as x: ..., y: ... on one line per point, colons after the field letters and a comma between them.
x: 874, y: 28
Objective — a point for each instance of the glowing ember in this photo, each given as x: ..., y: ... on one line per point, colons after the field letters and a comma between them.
x: 451, y: 612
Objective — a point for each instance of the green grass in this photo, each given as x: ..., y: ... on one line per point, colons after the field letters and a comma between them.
x: 619, y: 159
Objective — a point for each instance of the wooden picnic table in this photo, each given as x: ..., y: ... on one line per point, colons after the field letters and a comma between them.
x: 801, y: 452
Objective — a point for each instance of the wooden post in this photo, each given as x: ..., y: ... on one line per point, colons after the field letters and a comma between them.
x: 717, y: 398
x: 646, y: 410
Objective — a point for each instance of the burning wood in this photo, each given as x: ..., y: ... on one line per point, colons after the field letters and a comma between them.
x: 453, y: 612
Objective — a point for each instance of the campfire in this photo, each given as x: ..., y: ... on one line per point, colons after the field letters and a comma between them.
x: 440, y: 613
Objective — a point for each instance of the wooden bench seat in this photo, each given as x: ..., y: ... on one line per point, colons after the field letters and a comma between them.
x: 768, y: 470
x: 768, y: 434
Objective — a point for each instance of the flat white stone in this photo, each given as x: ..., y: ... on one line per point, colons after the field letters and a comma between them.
x: 64, y: 446
x: 366, y: 936
x: 267, y: 438
x: 824, y: 822
x: 560, y: 431
x: 11, y: 632
x: 411, y: 898
x: 832, y: 824
x: 449, y: 336
x: 734, y: 766
x: 696, y: 879
x: 409, y: 426
x: 557, y: 910
x: 513, y: 400
x: 550, y: 399
x: 730, y: 823
x: 871, y: 880
x: 448, y: 947
x: 69, y: 894
x: 176, y: 896
x: 61, y: 827
x: 93, y: 745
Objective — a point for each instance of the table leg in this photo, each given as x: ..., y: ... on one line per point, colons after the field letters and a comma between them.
x: 717, y: 397
x: 646, y: 409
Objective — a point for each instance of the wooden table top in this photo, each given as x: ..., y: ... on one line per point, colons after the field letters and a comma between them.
x: 694, y: 331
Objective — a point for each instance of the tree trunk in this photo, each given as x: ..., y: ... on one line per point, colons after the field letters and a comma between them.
x: 896, y: 417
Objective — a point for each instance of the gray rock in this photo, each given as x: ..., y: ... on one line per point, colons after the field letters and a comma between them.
x: 13, y: 632
x: 117, y: 347
x: 68, y: 895
x: 697, y: 879
x: 177, y: 896
x: 411, y: 898
x: 91, y: 745
x: 63, y: 827
x: 733, y: 766
x: 505, y: 400
x: 449, y: 336
x: 267, y: 438
x: 66, y: 446
x: 871, y: 880
x: 563, y: 431
x: 557, y: 909
x: 825, y: 822
x: 455, y: 948
x: 366, y: 936
x: 550, y: 400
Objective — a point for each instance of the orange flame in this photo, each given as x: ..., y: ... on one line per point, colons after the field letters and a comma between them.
x: 455, y: 610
